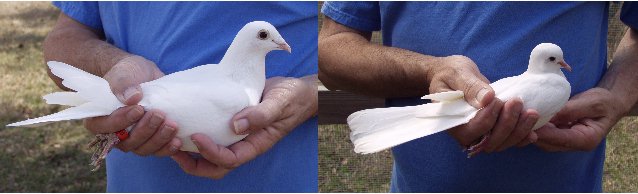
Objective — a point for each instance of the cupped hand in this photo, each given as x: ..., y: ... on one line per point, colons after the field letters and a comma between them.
x: 583, y: 123
x: 286, y: 103
x: 152, y: 132
x: 506, y: 123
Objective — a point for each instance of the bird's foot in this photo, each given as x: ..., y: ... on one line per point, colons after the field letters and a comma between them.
x: 102, y: 145
x: 477, y: 147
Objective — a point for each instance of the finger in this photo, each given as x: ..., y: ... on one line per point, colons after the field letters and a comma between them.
x: 143, y: 130
x: 170, y: 148
x: 584, y: 136
x: 256, y: 143
x: 198, y: 167
x: 531, y: 138
x: 477, y: 92
x: 118, y: 120
x: 131, y: 95
x: 185, y: 161
x: 550, y: 148
x: 575, y: 109
x: 469, y: 79
x: 505, y: 124
x: 481, y: 124
x: 125, y: 87
x: 260, y: 116
x: 557, y: 137
x: 160, y: 139
x: 216, y: 154
x: 522, y: 130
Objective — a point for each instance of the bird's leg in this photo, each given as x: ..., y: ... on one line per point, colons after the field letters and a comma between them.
x: 478, y: 146
x: 102, y: 145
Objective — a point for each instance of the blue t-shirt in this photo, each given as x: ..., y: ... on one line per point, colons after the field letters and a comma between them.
x: 181, y: 35
x: 498, y: 37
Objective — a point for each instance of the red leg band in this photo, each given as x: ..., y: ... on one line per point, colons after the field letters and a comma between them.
x: 122, y: 134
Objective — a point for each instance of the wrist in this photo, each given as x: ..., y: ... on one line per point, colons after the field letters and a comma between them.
x: 620, y: 102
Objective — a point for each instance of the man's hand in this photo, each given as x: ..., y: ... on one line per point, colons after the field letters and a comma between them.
x: 583, y: 123
x: 153, y: 133
x: 589, y: 116
x: 506, y: 122
x: 286, y: 103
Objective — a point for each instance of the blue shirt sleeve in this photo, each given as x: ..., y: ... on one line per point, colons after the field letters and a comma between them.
x: 363, y: 16
x: 85, y: 12
x: 629, y: 14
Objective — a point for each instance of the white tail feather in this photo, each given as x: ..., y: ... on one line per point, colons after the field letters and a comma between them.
x: 93, y: 97
x: 374, y: 130
x: 444, y: 96
x: 64, y: 98
x: 78, y: 112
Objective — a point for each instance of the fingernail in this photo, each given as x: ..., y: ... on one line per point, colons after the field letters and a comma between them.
x: 134, y: 114
x: 481, y: 95
x: 130, y: 92
x: 534, y: 138
x: 156, y: 121
x: 241, y: 125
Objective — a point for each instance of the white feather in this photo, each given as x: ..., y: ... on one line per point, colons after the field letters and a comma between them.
x: 78, y: 112
x: 93, y: 97
x: 64, y: 98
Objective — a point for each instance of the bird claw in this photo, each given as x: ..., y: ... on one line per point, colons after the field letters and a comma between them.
x: 477, y: 147
x: 102, y: 145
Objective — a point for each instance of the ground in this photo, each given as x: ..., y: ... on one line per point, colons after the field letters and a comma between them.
x: 52, y: 158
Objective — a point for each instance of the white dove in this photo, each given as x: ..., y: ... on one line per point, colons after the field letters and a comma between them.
x: 543, y: 87
x: 200, y: 100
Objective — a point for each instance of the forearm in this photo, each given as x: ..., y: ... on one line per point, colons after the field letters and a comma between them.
x: 76, y: 44
x: 349, y: 61
x: 621, y: 79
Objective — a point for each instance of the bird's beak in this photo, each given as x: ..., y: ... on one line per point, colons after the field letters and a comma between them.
x: 284, y: 46
x: 565, y: 66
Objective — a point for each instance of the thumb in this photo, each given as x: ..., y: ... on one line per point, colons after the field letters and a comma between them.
x: 477, y: 92
x: 129, y: 96
x: 573, y: 110
x: 258, y: 117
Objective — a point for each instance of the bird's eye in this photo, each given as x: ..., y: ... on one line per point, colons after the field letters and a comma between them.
x: 262, y: 34
x: 552, y: 58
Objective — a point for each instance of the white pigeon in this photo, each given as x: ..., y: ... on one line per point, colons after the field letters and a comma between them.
x: 543, y: 87
x: 200, y: 100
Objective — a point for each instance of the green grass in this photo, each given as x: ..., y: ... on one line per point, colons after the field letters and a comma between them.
x: 51, y: 158
x: 341, y: 170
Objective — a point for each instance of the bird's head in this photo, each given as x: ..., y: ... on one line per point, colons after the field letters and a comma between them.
x: 263, y: 36
x: 547, y: 57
